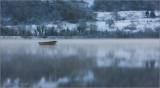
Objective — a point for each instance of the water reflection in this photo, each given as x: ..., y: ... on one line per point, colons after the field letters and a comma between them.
x: 80, y: 63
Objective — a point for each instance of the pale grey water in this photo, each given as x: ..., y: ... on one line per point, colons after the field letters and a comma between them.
x: 74, y: 61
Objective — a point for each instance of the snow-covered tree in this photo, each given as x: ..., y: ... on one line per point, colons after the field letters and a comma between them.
x: 41, y: 30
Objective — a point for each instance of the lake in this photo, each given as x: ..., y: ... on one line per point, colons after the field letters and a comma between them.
x: 80, y: 63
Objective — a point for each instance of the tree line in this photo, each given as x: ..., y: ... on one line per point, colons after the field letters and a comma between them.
x: 81, y: 31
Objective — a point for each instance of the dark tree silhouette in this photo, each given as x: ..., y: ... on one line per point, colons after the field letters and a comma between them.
x: 147, y: 13
x: 152, y: 14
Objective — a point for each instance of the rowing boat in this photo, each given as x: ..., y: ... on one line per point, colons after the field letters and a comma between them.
x: 47, y: 43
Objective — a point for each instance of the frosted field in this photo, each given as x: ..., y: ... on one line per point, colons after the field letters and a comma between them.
x: 80, y: 62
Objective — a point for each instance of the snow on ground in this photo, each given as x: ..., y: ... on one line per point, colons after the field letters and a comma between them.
x: 101, y: 25
x: 123, y: 14
x: 128, y: 17
x: 66, y: 25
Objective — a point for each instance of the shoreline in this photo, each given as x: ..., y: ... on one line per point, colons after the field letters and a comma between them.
x: 60, y: 37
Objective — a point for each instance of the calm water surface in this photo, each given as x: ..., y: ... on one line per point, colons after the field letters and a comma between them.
x: 80, y: 63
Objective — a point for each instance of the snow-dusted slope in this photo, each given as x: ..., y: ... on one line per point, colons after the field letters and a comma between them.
x: 127, y: 18
x: 127, y: 15
x: 141, y: 24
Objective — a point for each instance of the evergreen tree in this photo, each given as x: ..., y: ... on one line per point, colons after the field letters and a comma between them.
x: 152, y: 14
x: 82, y: 26
x: 147, y: 13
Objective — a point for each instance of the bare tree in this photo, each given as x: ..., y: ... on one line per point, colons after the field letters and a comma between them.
x: 41, y: 30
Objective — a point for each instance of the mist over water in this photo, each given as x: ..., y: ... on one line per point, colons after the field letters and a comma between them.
x: 80, y: 63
